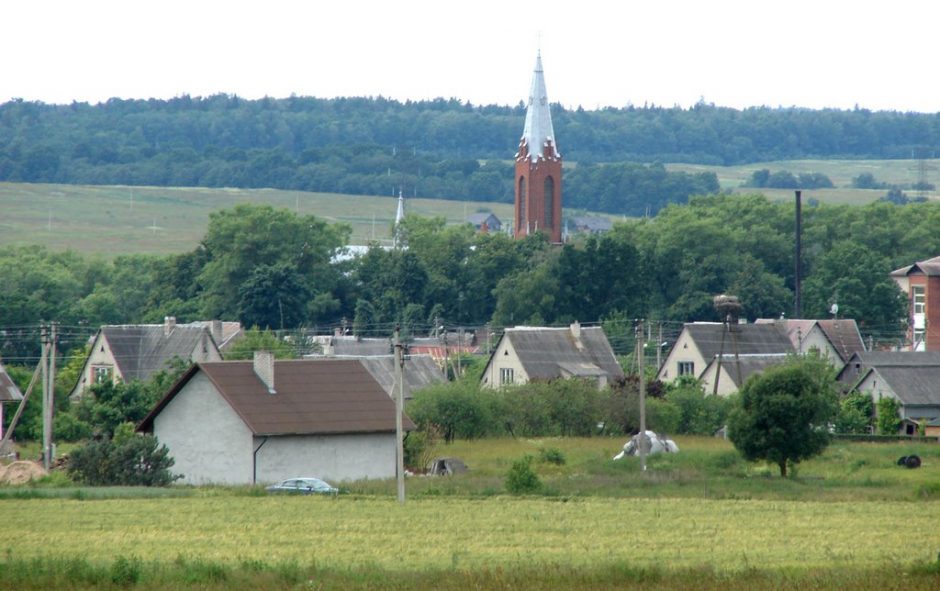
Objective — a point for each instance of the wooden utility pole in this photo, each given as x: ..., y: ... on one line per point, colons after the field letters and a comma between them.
x: 399, y: 397
x: 640, y: 354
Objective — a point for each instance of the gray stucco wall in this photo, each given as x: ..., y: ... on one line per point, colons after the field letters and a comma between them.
x: 206, y: 438
x: 332, y: 457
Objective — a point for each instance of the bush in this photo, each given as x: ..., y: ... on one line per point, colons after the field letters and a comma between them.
x: 662, y: 416
x: 889, y: 418
x: 419, y: 447
x: 521, y: 479
x: 552, y: 455
x: 129, y: 461
x: 556, y: 408
x: 458, y: 409
x: 699, y: 413
x: 855, y: 411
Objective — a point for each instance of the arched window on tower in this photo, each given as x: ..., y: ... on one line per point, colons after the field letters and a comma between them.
x: 549, y: 202
x: 522, y: 199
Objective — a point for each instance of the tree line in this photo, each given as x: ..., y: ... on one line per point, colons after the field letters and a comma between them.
x: 438, y: 148
x: 273, y: 268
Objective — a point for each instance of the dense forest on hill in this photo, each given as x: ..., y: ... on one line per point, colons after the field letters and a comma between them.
x: 439, y: 148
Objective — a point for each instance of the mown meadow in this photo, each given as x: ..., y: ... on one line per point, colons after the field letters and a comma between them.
x: 702, y: 518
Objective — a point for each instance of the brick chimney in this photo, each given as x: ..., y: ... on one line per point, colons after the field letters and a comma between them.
x: 264, y: 369
x: 169, y: 323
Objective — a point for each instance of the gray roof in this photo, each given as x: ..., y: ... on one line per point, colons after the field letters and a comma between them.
x: 140, y: 350
x: 860, y: 362
x: 750, y: 365
x: 593, y: 223
x: 548, y: 353
x: 477, y: 219
x: 323, y: 396
x: 917, y: 386
x: 930, y: 267
x: 355, y: 347
x: 9, y: 392
x: 844, y: 336
x: 420, y: 371
x: 744, y: 339
x: 538, y: 118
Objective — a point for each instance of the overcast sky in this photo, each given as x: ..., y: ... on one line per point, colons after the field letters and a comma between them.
x: 877, y: 55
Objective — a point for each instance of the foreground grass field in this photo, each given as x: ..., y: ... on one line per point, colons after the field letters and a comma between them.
x: 702, y: 518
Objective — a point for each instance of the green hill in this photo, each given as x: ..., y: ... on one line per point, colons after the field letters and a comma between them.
x: 122, y: 220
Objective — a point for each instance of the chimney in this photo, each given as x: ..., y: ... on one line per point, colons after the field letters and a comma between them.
x: 169, y: 323
x: 576, y: 335
x: 576, y: 329
x: 215, y: 328
x: 264, y: 369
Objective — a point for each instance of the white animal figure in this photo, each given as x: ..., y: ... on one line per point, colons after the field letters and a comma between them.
x: 655, y: 444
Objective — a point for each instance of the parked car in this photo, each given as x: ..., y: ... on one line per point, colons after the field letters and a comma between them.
x: 303, y: 486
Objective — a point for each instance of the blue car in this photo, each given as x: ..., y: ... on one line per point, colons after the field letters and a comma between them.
x: 303, y: 486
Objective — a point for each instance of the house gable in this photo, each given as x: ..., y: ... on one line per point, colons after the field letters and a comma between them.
x: 504, y: 367
x: 685, y: 356
x: 207, y: 439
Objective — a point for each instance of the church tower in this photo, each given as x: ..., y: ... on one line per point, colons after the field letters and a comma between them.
x: 538, y: 167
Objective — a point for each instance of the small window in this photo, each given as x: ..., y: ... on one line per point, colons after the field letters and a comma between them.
x: 686, y: 368
x: 918, y: 298
x: 101, y: 373
x: 506, y: 376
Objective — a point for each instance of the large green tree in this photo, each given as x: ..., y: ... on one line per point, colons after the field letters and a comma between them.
x: 783, y: 415
x: 245, y: 238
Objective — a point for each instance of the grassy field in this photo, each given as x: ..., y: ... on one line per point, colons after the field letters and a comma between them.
x: 117, y: 220
x: 122, y: 220
x: 698, y: 519
x: 841, y: 172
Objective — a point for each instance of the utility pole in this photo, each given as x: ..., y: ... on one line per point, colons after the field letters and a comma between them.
x: 48, y: 391
x: 399, y: 396
x: 640, y: 354
x: 659, y: 348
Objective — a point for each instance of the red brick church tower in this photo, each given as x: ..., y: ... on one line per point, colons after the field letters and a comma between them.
x: 538, y: 167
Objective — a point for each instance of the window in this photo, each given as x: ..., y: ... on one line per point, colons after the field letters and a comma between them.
x: 686, y: 368
x: 505, y: 376
x: 549, y: 203
x: 101, y: 373
x: 918, y: 298
x: 523, y: 224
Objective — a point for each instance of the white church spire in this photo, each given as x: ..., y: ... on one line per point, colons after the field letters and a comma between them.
x: 399, y: 218
x: 538, y: 119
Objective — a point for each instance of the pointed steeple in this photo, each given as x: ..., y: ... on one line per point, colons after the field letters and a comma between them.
x: 538, y: 118
x: 400, y: 214
x: 399, y: 217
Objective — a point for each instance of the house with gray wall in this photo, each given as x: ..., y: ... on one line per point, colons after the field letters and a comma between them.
x: 262, y: 421
x: 527, y: 353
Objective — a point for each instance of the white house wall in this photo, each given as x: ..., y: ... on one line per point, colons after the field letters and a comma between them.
x: 100, y: 355
x: 726, y: 386
x: 817, y: 340
x: 504, y: 357
x: 334, y: 458
x: 684, y: 350
x: 207, y: 439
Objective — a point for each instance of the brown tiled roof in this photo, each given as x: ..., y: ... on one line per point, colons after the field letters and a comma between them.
x: 321, y: 396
